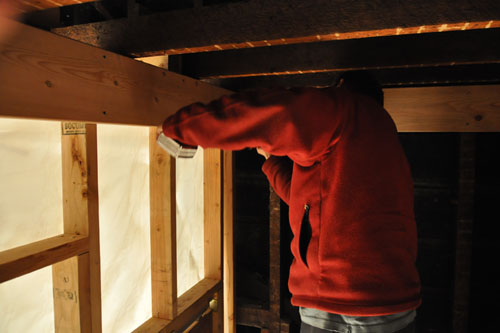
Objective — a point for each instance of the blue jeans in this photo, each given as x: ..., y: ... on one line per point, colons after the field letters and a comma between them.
x: 305, y: 328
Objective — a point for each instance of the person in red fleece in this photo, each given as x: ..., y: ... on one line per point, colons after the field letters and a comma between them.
x: 350, y: 195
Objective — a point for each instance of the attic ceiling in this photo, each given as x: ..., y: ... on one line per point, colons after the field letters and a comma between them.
x: 255, y: 43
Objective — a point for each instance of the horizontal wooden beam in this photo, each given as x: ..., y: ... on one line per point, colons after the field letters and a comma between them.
x: 276, y: 22
x: 28, y: 258
x: 46, y: 76
x: 248, y: 316
x: 388, y: 77
x: 445, y: 109
x: 190, y: 305
x: 444, y: 49
x: 27, y: 6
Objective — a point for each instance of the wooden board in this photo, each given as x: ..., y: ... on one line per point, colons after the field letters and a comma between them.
x: 70, y: 280
x: 27, y: 6
x: 45, y: 76
x: 228, y: 243
x: 192, y: 304
x: 163, y: 230
x: 443, y: 49
x: 445, y: 109
x: 388, y: 77
x: 79, y: 276
x: 278, y: 22
x: 28, y: 258
x: 212, y: 213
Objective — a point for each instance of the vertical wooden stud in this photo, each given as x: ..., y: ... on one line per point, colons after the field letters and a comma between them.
x: 163, y: 230
x: 274, y: 260
x: 212, y: 213
x: 76, y: 281
x: 465, y: 223
x: 228, y: 246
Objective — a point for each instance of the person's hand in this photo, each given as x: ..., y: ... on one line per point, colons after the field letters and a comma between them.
x: 264, y: 153
x: 159, y: 130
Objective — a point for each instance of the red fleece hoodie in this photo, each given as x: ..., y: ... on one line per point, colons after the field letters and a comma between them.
x: 350, y: 191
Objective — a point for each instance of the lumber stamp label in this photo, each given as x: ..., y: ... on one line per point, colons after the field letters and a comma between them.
x: 73, y: 128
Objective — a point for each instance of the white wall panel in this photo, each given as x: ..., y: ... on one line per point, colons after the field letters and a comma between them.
x: 190, y: 259
x: 123, y: 159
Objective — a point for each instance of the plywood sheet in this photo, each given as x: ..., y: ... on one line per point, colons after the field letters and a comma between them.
x: 123, y: 157
x: 189, y: 196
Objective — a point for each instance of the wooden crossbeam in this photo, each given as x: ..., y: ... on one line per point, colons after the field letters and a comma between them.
x: 445, y: 109
x: 256, y: 23
x: 444, y: 49
x: 46, y: 76
x: 190, y: 305
x: 28, y: 258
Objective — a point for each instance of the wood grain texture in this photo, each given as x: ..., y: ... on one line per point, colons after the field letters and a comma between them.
x: 445, y: 109
x: 279, y: 22
x: 28, y: 258
x: 248, y: 316
x: 212, y: 187
x: 75, y: 183
x: 192, y: 304
x: 46, y: 76
x: 443, y: 49
x: 228, y: 243
x: 70, y: 278
x: 163, y: 230
x: 93, y: 222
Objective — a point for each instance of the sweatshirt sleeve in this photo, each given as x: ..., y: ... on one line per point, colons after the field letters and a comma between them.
x: 279, y: 173
x: 301, y: 123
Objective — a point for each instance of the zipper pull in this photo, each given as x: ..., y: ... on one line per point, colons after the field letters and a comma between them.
x: 306, y: 208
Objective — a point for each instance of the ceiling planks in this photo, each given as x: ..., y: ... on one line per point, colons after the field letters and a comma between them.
x: 248, y: 24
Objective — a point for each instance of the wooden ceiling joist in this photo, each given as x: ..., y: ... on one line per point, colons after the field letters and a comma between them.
x: 26, y: 6
x: 255, y: 23
x: 445, y: 49
x: 389, y: 77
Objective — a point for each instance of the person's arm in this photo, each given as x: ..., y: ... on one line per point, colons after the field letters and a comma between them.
x: 300, y: 123
x: 278, y: 171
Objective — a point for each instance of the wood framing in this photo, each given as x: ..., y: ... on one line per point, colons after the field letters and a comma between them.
x: 464, y: 236
x: 28, y: 258
x: 388, y: 77
x: 163, y: 230
x: 228, y: 246
x: 191, y: 305
x: 212, y: 212
x: 38, y: 67
x: 27, y: 6
x: 277, y: 22
x: 443, y: 49
x: 76, y: 281
x: 73, y: 70
x: 445, y: 109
